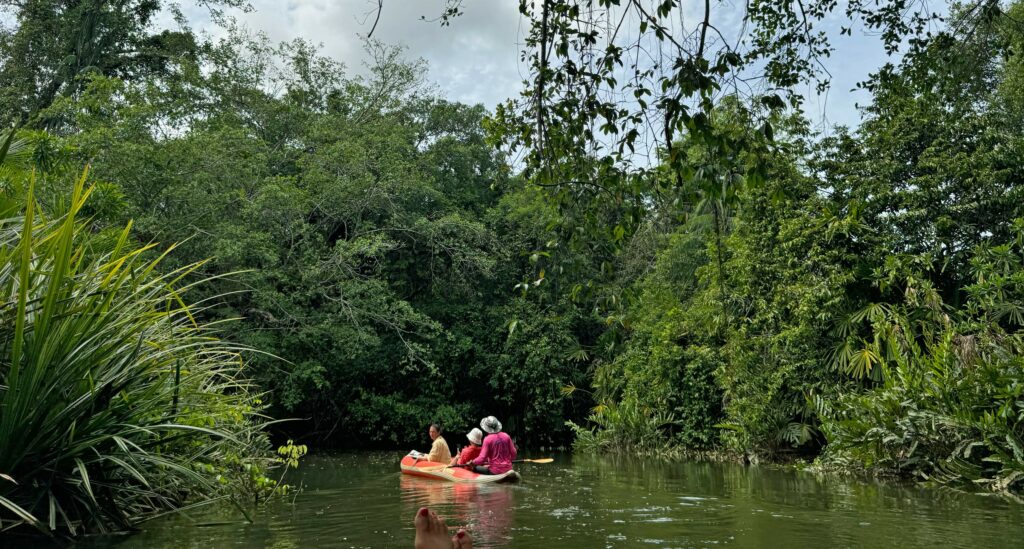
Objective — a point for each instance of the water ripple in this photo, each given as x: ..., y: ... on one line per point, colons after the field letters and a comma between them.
x: 360, y: 500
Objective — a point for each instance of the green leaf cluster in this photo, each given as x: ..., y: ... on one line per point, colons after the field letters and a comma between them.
x: 858, y: 299
x: 116, y: 403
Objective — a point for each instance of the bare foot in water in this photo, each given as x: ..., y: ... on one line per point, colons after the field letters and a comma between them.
x: 432, y: 533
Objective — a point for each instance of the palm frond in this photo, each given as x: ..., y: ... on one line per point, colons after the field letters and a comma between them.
x: 124, y: 404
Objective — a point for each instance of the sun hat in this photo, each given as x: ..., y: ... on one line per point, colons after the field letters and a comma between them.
x: 490, y: 424
x: 475, y: 436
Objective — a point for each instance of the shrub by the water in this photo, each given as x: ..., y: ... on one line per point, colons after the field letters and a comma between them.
x: 950, y: 407
x: 116, y: 402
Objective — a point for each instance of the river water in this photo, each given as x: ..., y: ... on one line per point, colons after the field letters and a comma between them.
x: 361, y: 500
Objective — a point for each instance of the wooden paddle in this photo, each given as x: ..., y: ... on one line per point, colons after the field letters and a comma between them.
x: 541, y: 460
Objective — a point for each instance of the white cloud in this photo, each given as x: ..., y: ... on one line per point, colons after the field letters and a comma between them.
x: 477, y: 58
x: 474, y: 60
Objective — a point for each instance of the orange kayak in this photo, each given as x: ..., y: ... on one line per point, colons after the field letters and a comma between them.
x: 441, y: 471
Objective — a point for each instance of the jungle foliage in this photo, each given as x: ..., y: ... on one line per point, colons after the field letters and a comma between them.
x: 730, y: 280
x: 117, y: 404
x: 375, y: 237
x: 862, y: 299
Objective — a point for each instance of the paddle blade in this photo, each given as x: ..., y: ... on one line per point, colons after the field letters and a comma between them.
x: 541, y: 460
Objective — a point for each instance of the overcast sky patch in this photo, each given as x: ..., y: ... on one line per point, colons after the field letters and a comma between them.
x: 477, y: 58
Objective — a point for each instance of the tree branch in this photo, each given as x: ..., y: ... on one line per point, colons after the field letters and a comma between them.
x: 380, y: 8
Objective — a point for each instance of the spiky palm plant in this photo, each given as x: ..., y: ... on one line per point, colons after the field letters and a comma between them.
x: 115, y: 402
x: 14, y: 163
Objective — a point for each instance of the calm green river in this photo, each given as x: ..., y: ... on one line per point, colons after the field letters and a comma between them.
x: 361, y: 500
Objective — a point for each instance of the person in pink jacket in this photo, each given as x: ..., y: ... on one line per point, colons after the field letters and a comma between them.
x: 498, y: 451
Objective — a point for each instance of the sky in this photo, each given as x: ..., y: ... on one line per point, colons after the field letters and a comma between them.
x: 477, y: 58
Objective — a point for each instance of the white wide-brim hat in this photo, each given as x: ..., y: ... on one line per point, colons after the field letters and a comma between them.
x: 490, y: 424
x: 476, y: 436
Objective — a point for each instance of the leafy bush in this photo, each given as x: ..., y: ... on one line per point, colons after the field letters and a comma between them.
x: 116, y: 403
x: 950, y: 406
x: 626, y: 427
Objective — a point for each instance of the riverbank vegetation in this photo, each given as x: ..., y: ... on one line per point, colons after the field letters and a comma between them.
x: 757, y: 286
x: 859, y: 300
x: 118, y: 404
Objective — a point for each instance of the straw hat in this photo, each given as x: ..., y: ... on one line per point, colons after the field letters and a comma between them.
x: 475, y: 436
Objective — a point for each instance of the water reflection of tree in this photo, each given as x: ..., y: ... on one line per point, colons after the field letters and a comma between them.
x: 486, y: 511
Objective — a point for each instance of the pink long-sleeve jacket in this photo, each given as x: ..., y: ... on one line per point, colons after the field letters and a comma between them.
x: 497, y: 453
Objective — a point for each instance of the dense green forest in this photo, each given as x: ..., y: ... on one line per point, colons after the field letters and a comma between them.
x: 380, y: 257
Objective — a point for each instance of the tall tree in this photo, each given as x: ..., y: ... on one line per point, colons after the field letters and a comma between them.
x: 614, y: 84
x: 55, y: 43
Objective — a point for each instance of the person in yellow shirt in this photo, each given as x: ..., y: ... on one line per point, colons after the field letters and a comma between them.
x: 439, y: 452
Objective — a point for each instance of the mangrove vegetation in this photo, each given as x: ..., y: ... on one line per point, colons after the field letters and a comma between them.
x: 658, y: 254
